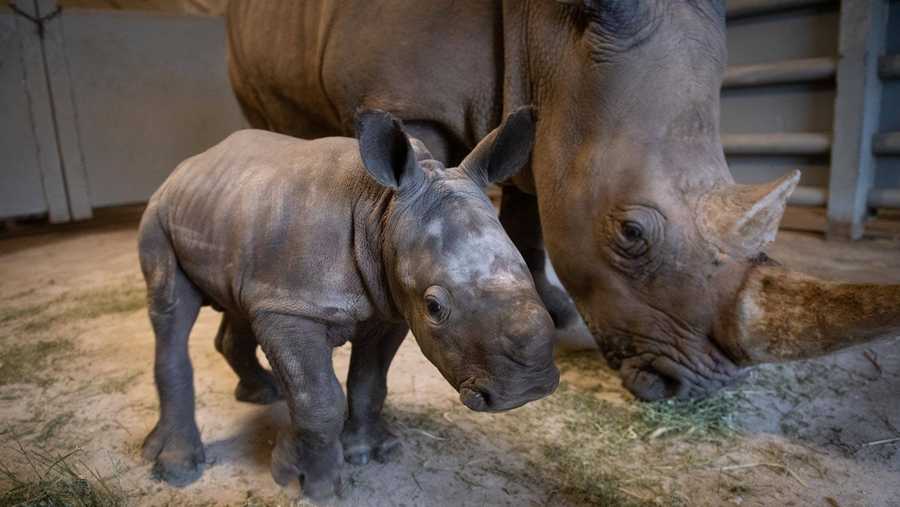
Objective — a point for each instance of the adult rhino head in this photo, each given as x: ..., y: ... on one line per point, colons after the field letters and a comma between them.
x: 627, y: 188
x: 662, y: 252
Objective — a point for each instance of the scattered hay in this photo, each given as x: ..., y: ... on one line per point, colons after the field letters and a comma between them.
x: 585, y: 452
x: 26, y: 363
x: 120, y: 384
x: 711, y: 417
x: 87, y: 304
x: 55, y: 480
x: 280, y: 500
x: 30, y: 335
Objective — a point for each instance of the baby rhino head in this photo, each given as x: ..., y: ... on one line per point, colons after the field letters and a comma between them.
x: 461, y: 284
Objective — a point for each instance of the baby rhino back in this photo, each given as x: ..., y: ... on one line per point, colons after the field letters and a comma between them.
x: 262, y: 221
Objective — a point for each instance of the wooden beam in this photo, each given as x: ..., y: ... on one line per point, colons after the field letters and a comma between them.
x: 857, y: 102
x: 885, y: 225
x: 889, y: 67
x: 796, y: 143
x: 790, y: 71
x: 887, y: 144
x: 742, y: 8
x: 799, y: 218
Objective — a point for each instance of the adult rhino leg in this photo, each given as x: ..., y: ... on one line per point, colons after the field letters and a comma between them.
x: 519, y: 216
x: 443, y: 146
x: 365, y: 434
x: 174, y: 444
x: 237, y: 343
x: 309, y: 451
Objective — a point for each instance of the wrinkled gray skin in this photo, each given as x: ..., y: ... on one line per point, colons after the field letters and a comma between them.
x: 628, y: 185
x: 303, y: 252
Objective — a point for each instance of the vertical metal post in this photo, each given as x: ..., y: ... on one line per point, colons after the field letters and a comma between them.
x: 857, y: 103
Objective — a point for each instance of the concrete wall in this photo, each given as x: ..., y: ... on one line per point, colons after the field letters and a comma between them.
x: 21, y: 188
x: 101, y: 109
x: 150, y: 90
x: 888, y: 168
x: 196, y: 7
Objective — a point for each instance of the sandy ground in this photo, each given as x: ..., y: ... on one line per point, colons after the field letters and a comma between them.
x: 75, y: 379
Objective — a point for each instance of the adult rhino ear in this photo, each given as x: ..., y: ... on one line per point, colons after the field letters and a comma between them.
x: 385, y: 149
x: 504, y: 151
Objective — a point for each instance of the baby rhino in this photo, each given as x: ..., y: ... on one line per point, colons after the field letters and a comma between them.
x: 303, y: 253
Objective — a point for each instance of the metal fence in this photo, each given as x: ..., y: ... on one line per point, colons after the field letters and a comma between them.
x: 810, y: 86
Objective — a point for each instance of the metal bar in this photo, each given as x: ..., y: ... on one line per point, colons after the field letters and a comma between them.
x: 884, y: 198
x: 857, y: 103
x: 800, y: 143
x: 743, y: 8
x: 790, y: 71
x: 815, y: 197
x: 887, y: 144
x: 889, y: 67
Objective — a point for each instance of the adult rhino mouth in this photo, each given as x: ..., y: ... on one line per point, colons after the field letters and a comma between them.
x: 652, y: 371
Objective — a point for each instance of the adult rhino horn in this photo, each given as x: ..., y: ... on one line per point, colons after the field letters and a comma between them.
x: 742, y: 219
x: 780, y: 315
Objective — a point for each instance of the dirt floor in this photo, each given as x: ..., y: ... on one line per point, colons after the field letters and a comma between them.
x: 77, y: 398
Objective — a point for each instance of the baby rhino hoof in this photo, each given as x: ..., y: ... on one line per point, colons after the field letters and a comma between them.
x: 178, y: 456
x: 318, y: 470
x: 364, y: 444
x: 264, y: 392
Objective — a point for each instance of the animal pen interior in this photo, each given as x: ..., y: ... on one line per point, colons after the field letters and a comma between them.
x: 103, y: 99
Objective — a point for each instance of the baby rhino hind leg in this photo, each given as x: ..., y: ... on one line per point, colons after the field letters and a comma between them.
x: 174, y: 445
x: 237, y: 343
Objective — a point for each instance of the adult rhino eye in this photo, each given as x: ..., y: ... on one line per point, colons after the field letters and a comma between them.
x: 631, y: 241
x: 437, y: 304
x: 632, y: 231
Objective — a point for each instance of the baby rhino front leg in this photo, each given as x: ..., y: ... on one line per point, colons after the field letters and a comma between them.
x: 366, y: 435
x: 310, y: 451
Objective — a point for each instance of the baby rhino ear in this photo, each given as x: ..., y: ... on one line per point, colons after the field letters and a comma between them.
x: 504, y: 151
x: 385, y: 150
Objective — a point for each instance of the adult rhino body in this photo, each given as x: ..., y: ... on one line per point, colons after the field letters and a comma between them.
x: 628, y: 186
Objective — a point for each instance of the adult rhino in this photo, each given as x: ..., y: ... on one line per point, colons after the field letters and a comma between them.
x: 628, y: 187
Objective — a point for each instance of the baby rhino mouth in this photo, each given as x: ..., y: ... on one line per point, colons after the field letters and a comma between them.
x: 474, y: 395
x: 474, y: 399
x: 480, y: 396
x: 652, y: 372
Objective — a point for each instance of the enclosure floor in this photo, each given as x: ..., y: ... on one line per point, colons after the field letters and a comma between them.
x: 75, y: 377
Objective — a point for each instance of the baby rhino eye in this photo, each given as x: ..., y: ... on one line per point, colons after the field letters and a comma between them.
x: 434, y: 308
x: 437, y: 304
